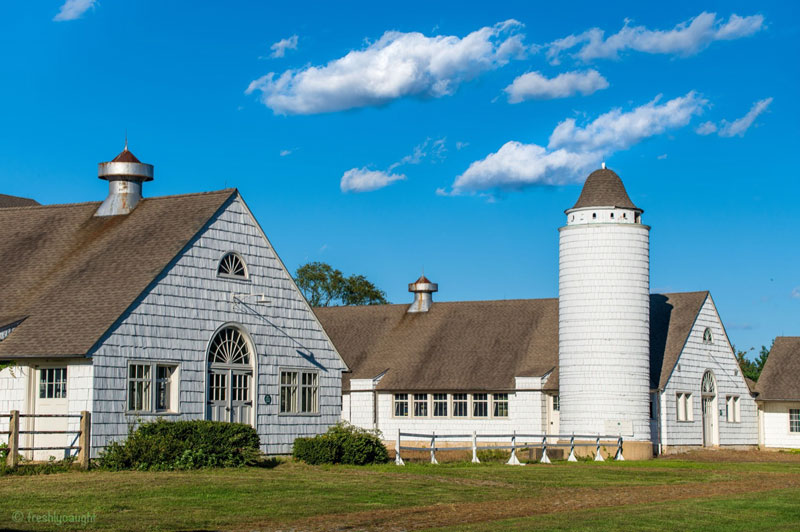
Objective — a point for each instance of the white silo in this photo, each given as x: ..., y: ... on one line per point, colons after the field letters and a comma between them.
x: 604, y: 314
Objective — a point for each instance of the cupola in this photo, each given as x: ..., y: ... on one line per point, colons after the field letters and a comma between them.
x: 423, y: 291
x: 125, y: 175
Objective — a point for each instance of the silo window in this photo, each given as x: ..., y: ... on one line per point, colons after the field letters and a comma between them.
x: 594, y: 216
x: 624, y: 216
x: 232, y: 266
x: 612, y: 215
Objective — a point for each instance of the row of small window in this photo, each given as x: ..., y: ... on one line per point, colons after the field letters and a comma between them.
x: 794, y: 420
x: 685, y: 411
x: 451, y: 405
x: 299, y: 392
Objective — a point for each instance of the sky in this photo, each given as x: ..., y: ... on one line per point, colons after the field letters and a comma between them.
x: 445, y: 137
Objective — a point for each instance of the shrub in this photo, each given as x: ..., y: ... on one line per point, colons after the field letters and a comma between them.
x: 162, y: 445
x: 342, y: 444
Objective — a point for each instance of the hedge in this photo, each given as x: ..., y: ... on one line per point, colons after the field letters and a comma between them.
x: 342, y: 444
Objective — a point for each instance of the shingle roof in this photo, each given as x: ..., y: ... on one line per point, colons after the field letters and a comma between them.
x: 481, y: 345
x: 71, y: 275
x: 604, y: 188
x: 125, y: 157
x: 780, y: 377
x: 15, y: 201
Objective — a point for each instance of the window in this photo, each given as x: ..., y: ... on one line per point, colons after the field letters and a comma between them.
x: 420, y: 405
x: 652, y: 410
x: 732, y: 412
x: 794, y: 420
x: 401, y: 405
x: 460, y: 405
x: 229, y: 346
x: 480, y: 405
x: 684, y: 407
x: 500, y: 404
x: 707, y: 336
x: 299, y: 392
x: 594, y: 216
x: 232, y: 266
x: 440, y: 405
x: 151, y: 388
x: 556, y: 403
x: 53, y: 383
x: 612, y: 215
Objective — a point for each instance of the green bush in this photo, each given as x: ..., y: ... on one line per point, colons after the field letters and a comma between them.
x: 163, y: 445
x: 342, y: 444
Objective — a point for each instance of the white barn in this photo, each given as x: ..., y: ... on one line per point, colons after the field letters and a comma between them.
x: 606, y: 357
x: 175, y: 307
x: 778, y: 395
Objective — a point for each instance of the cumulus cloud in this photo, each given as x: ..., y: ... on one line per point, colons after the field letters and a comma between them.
x: 73, y: 9
x: 740, y: 126
x: 575, y: 150
x: 706, y: 128
x: 280, y: 47
x: 365, y: 180
x: 395, y: 66
x: 685, y: 39
x: 534, y: 85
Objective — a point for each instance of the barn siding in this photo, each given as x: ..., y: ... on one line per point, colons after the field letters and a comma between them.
x: 177, y: 317
x: 775, y: 424
x: 13, y: 389
x: 694, y: 360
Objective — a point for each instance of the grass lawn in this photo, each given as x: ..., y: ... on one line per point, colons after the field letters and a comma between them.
x: 654, y: 495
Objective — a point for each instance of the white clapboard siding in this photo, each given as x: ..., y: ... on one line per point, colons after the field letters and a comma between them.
x: 775, y: 424
x: 176, y: 318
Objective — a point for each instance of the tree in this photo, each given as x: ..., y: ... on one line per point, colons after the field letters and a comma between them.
x: 752, y: 368
x: 323, y: 286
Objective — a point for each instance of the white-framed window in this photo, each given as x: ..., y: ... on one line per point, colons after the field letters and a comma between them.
x: 232, y: 266
x: 53, y: 383
x: 794, y: 420
x: 732, y: 409
x: 152, y: 387
x: 420, y: 405
x: 708, y: 337
x: 500, y: 404
x: 684, y: 407
x: 556, y: 403
x: 299, y: 392
x: 460, y: 405
x: 440, y: 405
x: 480, y: 405
x: 401, y: 405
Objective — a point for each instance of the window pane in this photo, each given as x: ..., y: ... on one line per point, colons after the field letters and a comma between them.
x: 500, y: 401
x: 480, y: 405
x: 794, y: 420
x: 460, y: 405
x: 440, y: 405
x: 401, y: 404
x: 421, y: 404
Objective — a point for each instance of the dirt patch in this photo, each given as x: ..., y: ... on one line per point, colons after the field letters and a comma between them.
x: 721, y: 455
x: 548, y: 501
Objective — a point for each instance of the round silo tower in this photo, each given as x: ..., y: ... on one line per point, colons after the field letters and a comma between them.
x: 604, y: 314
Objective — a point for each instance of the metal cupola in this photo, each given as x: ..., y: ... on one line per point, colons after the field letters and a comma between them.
x: 125, y: 175
x: 423, y: 291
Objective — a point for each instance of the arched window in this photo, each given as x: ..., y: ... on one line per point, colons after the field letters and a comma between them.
x: 229, y: 346
x: 231, y: 265
x: 230, y: 377
x: 709, y: 386
x: 707, y: 336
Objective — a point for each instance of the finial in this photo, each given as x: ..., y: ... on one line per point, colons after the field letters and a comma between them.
x: 603, y: 165
x: 126, y: 140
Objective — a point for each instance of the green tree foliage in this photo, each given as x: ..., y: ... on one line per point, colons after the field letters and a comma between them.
x: 752, y: 368
x: 323, y: 286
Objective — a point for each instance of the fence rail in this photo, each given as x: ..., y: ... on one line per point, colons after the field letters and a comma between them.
x: 83, y: 433
x: 599, y: 440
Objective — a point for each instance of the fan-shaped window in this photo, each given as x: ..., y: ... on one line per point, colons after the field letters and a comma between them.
x: 709, y: 387
x: 229, y: 346
x: 707, y: 336
x: 233, y: 266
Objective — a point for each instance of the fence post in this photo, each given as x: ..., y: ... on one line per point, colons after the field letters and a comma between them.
x: 433, y: 447
x: 545, y: 459
x: 475, y: 448
x: 619, y: 450
x: 12, y: 459
x: 397, y: 459
x: 598, y: 457
x: 572, y: 449
x: 513, y: 460
x: 85, y: 440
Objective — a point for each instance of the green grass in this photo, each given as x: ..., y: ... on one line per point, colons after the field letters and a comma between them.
x: 290, y: 492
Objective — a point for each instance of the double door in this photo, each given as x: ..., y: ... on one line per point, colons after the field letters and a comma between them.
x: 230, y: 396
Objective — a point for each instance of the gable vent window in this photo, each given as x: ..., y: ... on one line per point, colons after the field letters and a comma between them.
x: 232, y: 266
x: 708, y: 338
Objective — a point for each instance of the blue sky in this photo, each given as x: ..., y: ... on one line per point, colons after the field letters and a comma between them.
x: 384, y: 139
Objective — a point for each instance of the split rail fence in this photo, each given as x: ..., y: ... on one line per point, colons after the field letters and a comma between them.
x: 541, y: 441
x: 83, y: 436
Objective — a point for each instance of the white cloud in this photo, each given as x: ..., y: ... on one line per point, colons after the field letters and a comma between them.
x: 435, y: 149
x: 396, y: 65
x: 706, y: 128
x: 740, y: 126
x: 533, y: 85
x: 280, y: 47
x: 573, y: 151
x: 284, y: 153
x: 662, y: 157
x: 461, y: 145
x: 796, y: 292
x: 686, y: 38
x: 365, y: 180
x: 73, y: 9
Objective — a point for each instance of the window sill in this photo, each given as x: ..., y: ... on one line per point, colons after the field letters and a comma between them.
x: 299, y: 414
x: 150, y: 413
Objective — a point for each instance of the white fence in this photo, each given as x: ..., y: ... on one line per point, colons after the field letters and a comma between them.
x: 517, y: 441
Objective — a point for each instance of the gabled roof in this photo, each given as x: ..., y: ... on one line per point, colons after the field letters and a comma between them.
x: 15, y: 201
x: 780, y: 377
x: 481, y: 345
x: 604, y: 188
x: 70, y: 275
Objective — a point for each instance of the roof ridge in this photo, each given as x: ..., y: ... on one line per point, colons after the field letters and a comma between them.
x: 81, y: 203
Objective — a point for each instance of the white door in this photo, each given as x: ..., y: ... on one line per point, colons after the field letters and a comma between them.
x: 230, y: 377
x: 553, y: 415
x: 709, y: 422
x: 50, y: 397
